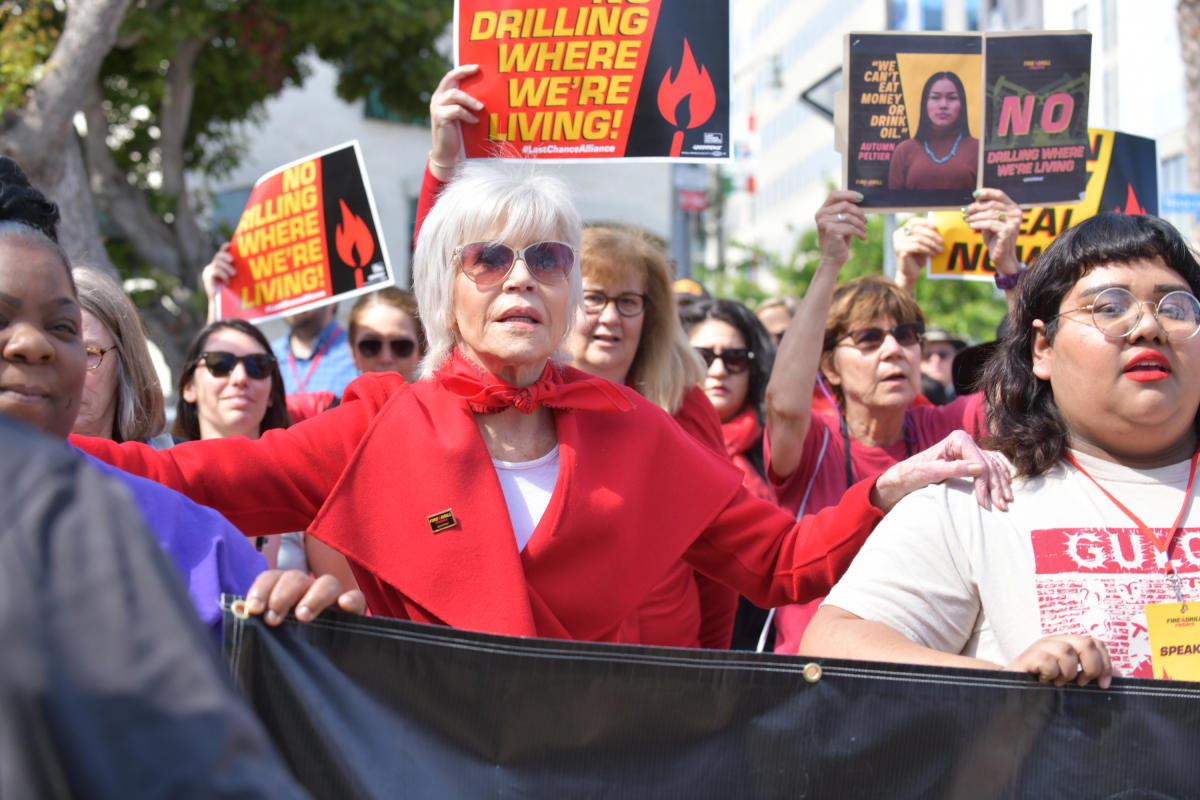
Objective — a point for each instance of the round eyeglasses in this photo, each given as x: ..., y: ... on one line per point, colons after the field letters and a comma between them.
x: 629, y: 304
x: 1116, y: 313
x: 95, y: 355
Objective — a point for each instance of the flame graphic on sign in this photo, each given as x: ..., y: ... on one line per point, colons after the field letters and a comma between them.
x: 691, y: 83
x: 355, y: 245
x: 1132, y: 206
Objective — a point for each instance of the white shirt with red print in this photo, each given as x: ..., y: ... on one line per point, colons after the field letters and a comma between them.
x: 1063, y: 559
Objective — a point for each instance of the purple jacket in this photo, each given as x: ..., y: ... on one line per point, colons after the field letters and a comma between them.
x: 212, y: 556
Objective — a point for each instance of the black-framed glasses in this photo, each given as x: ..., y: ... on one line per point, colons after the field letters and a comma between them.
x: 221, y: 364
x: 906, y: 334
x: 629, y: 304
x: 1116, y: 312
x: 95, y: 355
x: 371, y: 347
x: 488, y: 263
x: 735, y: 359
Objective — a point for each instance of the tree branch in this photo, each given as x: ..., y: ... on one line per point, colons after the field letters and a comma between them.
x: 150, y: 237
x: 87, y: 36
x: 194, y: 247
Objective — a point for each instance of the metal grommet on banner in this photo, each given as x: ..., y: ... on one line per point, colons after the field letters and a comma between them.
x: 812, y: 672
x: 238, y: 609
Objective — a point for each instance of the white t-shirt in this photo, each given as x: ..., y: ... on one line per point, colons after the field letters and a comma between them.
x: 527, y: 488
x: 1063, y: 559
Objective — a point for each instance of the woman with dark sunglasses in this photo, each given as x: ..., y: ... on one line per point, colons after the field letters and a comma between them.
x: 503, y: 491
x: 738, y: 355
x: 868, y: 353
x: 231, y: 386
x: 385, y: 333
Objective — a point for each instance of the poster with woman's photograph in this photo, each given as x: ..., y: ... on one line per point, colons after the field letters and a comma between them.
x: 1035, y: 148
x: 913, y: 119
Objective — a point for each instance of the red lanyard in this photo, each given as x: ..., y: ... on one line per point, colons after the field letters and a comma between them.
x: 1165, y: 542
x: 316, y: 359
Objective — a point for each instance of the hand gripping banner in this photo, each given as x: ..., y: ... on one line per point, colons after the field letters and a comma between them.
x: 371, y: 707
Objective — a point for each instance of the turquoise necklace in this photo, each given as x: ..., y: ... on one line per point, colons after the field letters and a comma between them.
x: 949, y: 155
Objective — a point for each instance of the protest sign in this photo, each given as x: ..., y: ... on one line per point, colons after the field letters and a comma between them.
x: 1122, y: 176
x: 582, y: 79
x: 921, y: 110
x: 891, y: 158
x: 309, y: 236
x: 369, y: 707
x: 1036, y: 116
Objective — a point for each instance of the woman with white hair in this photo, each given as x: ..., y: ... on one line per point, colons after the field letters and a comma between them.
x: 502, y: 491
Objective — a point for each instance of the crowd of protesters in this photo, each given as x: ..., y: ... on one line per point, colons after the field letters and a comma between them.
x: 541, y: 440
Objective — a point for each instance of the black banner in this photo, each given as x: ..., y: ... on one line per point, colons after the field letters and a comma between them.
x: 370, y: 707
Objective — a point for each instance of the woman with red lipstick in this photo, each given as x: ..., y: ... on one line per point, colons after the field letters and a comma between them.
x: 1094, y: 398
x: 942, y: 154
x: 503, y: 491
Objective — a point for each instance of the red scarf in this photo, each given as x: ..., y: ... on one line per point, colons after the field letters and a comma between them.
x: 742, y: 432
x: 487, y: 394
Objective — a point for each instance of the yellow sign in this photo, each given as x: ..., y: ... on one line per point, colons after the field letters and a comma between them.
x: 1174, y: 640
x: 964, y: 256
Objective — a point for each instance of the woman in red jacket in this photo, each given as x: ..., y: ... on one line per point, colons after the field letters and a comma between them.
x: 502, y: 491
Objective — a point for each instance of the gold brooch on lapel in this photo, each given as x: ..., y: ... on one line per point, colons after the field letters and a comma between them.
x: 442, y: 520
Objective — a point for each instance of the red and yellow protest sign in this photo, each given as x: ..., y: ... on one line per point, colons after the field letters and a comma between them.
x: 1122, y: 176
x: 586, y: 79
x: 309, y: 236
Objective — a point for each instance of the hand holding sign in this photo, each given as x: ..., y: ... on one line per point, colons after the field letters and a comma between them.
x: 998, y: 219
x: 308, y: 237
x: 448, y: 107
x: 914, y: 243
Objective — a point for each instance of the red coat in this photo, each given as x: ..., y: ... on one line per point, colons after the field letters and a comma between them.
x: 634, y: 495
x: 687, y: 608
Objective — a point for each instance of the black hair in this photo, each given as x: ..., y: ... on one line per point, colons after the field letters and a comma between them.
x: 21, y: 202
x: 757, y: 340
x: 925, y: 127
x: 187, y: 417
x: 1023, y: 420
x: 28, y: 214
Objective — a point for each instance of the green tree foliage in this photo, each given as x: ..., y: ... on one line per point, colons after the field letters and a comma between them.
x: 166, y: 104
x: 253, y: 49
x: 28, y: 31
x: 965, y: 307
